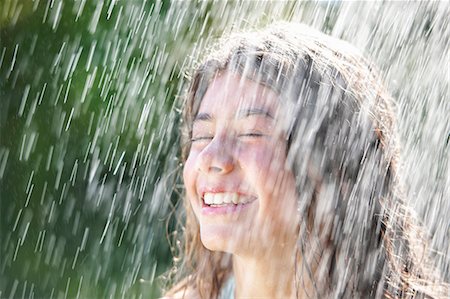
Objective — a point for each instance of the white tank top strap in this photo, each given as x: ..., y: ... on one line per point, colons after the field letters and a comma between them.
x: 227, y: 290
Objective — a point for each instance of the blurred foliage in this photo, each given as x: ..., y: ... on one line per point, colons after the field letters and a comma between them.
x: 87, y: 129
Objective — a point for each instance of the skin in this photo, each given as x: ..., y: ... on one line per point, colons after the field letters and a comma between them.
x: 238, y: 145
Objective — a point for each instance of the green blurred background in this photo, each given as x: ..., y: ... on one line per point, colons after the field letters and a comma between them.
x: 89, y: 113
x: 87, y: 125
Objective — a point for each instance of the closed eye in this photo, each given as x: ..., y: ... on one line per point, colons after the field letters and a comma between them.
x: 252, y: 135
x: 201, y: 138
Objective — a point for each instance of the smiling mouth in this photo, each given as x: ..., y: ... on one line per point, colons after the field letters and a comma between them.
x: 217, y: 200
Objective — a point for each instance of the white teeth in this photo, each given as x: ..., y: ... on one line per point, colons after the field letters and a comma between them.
x: 209, y: 198
x: 217, y: 199
x: 225, y: 198
x: 235, y: 198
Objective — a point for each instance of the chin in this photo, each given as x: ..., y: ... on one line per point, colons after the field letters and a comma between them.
x: 220, y: 239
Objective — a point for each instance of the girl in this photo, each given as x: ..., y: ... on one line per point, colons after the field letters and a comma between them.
x: 291, y: 176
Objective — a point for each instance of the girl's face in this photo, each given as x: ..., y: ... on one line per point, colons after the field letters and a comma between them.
x: 235, y: 175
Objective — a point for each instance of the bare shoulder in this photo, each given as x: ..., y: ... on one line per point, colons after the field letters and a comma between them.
x: 185, y: 293
x: 182, y: 291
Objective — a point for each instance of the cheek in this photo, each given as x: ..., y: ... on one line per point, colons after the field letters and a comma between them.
x: 275, y: 184
x: 267, y: 166
x: 189, y: 177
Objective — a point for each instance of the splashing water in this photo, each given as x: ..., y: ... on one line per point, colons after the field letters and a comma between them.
x: 89, y: 117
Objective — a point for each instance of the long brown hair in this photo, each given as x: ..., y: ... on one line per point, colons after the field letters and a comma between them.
x: 356, y: 238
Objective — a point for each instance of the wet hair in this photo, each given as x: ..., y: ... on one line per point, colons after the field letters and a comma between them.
x: 357, y: 238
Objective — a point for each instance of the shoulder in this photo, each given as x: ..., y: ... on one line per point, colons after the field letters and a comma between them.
x: 182, y: 290
x: 185, y: 293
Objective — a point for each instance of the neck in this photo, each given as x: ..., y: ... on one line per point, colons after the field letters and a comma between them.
x: 270, y: 276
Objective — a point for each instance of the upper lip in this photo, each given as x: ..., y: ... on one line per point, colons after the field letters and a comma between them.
x: 204, y: 190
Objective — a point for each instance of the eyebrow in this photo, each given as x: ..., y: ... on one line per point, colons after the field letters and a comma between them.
x: 254, y: 111
x: 203, y: 117
x: 243, y: 113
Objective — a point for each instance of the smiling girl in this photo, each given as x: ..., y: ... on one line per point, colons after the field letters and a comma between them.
x: 290, y: 172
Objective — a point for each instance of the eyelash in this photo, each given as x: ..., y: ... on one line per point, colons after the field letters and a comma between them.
x: 253, y: 135
x: 248, y: 135
x: 202, y: 138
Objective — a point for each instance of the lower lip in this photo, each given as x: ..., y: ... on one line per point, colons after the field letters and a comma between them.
x: 226, y: 209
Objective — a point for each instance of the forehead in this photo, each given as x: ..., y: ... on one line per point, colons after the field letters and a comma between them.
x: 229, y: 92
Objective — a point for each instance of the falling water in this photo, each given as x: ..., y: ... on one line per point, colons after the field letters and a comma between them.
x: 89, y: 115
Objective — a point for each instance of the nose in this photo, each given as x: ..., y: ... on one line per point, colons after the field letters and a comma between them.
x: 217, y: 157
